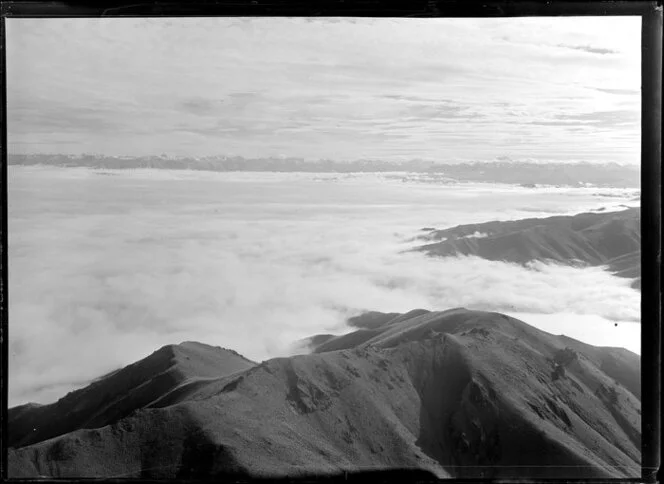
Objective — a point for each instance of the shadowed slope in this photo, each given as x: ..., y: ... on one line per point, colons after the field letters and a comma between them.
x: 611, y: 239
x: 455, y: 393
x: 629, y: 266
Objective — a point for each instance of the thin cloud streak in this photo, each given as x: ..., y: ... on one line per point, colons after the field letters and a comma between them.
x: 589, y: 49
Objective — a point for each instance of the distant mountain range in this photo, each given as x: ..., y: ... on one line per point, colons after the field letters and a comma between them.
x: 456, y: 393
x: 608, y: 238
x: 523, y: 173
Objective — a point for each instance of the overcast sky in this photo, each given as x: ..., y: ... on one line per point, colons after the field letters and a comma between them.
x: 562, y: 89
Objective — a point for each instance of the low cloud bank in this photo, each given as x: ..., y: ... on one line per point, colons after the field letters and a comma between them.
x: 588, y: 328
x: 96, y: 286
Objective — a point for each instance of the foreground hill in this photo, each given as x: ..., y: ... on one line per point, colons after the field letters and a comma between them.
x: 612, y: 239
x: 117, y: 394
x: 457, y: 393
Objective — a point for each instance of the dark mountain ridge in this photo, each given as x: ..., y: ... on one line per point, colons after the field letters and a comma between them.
x: 608, y: 238
x: 455, y: 393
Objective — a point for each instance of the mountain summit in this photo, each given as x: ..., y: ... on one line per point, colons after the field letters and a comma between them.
x: 116, y: 395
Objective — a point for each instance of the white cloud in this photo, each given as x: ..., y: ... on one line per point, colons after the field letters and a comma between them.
x: 104, y: 270
x: 318, y: 88
x: 603, y: 332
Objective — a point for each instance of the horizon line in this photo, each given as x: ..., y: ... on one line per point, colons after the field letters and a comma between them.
x: 220, y: 157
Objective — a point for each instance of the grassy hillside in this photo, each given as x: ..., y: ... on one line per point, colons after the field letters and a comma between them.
x: 457, y: 393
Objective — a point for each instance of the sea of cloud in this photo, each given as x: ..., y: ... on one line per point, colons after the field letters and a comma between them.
x: 107, y: 266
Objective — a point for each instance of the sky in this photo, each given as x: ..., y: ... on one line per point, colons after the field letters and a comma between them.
x: 105, y: 267
x: 448, y: 90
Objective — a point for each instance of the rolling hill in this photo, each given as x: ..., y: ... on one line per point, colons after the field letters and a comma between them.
x: 455, y: 393
x: 612, y: 239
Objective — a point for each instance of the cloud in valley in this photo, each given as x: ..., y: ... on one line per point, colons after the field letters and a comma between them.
x: 104, y: 270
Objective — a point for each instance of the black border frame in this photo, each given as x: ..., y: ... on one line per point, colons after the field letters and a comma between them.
x: 651, y: 240
x: 651, y: 137
x: 337, y: 8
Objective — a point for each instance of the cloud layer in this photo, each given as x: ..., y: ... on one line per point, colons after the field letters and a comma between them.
x: 105, y: 269
x: 442, y: 89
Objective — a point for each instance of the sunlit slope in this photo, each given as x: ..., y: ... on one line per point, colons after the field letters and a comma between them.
x: 612, y: 239
x: 458, y: 393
